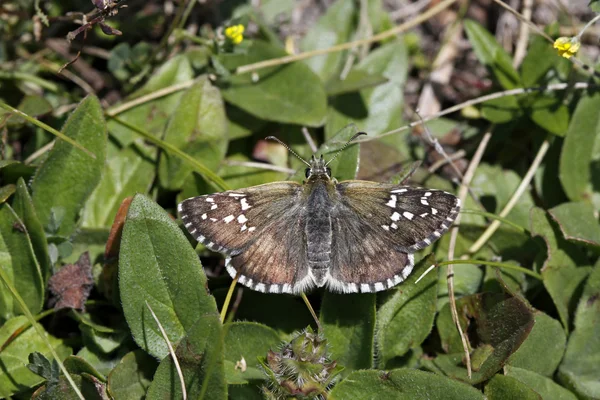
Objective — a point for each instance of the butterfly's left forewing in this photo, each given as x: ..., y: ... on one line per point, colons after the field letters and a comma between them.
x: 260, y: 228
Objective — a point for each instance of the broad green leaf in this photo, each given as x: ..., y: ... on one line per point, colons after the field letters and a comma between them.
x: 14, y: 374
x: 492, y: 55
x: 348, y: 322
x: 544, y: 386
x: 562, y: 271
x: 402, y: 384
x: 580, y: 158
x: 132, y: 377
x: 78, y: 365
x: 68, y: 176
x: 200, y: 355
x: 334, y: 27
x: 345, y: 165
x: 23, y: 206
x: 157, y: 265
x: 550, y: 113
x: 89, y: 386
x: 499, y: 323
x: 129, y: 171
x: 289, y: 93
x: 577, y: 222
x: 242, y: 124
x: 153, y: 115
x: 101, y: 362
x: 502, y: 110
x: 17, y: 259
x: 6, y: 191
x: 502, y: 387
x: 199, y: 127
x: 247, y: 341
x: 543, y: 349
x: 579, y: 369
x: 405, y: 318
x: 542, y: 64
x: 595, y: 5
x: 379, y: 109
x: 355, y: 81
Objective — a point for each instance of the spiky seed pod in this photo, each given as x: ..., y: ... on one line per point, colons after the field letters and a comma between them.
x: 300, y: 369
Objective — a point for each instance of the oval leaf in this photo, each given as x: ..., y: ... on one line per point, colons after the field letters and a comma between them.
x: 158, y: 265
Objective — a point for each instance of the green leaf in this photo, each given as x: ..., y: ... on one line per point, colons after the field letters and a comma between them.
x: 577, y: 222
x: 14, y: 374
x: 550, y: 113
x: 18, y: 262
x: 153, y: 115
x: 542, y: 63
x: 595, y: 5
x: 345, y: 166
x: 579, y: 369
x: 199, y: 127
x: 492, y: 55
x: 562, y: 273
x: 502, y: 110
x: 378, y: 109
x: 78, y: 365
x: 401, y: 384
x: 127, y: 172
x: 544, y: 386
x: 131, y: 378
x: 580, y: 158
x: 334, y: 27
x: 543, y: 349
x: 40, y: 365
x: 68, y: 176
x: 405, y: 319
x: 289, y: 93
x: 247, y: 341
x: 355, y: 80
x: 502, y: 387
x: 23, y: 206
x: 500, y: 325
x: 89, y: 386
x: 348, y: 322
x: 157, y: 265
x: 200, y: 355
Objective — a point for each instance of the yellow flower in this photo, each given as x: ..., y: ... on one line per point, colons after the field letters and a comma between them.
x: 235, y: 33
x: 567, y: 47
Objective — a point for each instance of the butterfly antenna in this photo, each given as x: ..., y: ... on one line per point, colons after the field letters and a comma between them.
x: 288, y: 148
x: 344, y: 146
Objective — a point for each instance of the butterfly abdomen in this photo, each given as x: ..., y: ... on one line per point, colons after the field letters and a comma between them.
x: 318, y: 233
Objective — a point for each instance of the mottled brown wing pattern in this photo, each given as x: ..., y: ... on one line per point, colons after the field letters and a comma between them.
x: 252, y: 227
x: 387, y: 223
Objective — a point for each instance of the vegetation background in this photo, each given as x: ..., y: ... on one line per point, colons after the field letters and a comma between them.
x: 113, y: 112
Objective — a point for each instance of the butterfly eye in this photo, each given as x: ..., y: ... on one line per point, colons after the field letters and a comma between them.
x: 307, y: 172
x: 328, y: 170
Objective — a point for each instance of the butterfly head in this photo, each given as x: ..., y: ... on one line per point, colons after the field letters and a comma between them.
x: 317, y: 169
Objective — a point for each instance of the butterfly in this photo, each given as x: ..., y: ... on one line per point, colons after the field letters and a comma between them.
x: 351, y: 237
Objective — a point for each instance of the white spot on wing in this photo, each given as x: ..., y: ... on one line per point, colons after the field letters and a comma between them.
x: 423, y: 215
x: 214, y: 207
x: 242, y: 218
x: 179, y: 207
x: 244, y: 204
x: 210, y: 199
x: 386, y: 227
x: 204, y: 216
x: 243, y: 228
x: 394, y: 226
x: 395, y: 216
x: 252, y: 229
x: 260, y: 287
x: 433, y: 211
x: 228, y: 219
x: 408, y: 215
x: 392, y: 202
x: 379, y: 287
x: 365, y: 288
x: 399, y: 190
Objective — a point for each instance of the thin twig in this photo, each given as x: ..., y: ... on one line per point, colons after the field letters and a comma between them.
x: 312, y: 311
x: 39, y: 152
x: 228, y: 298
x: 349, y: 45
x: 483, y: 99
x: 114, y: 111
x: 462, y: 195
x: 485, y: 236
x: 309, y: 139
x: 523, y: 39
x: 258, y: 165
x: 171, y: 351
x: 442, y: 161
